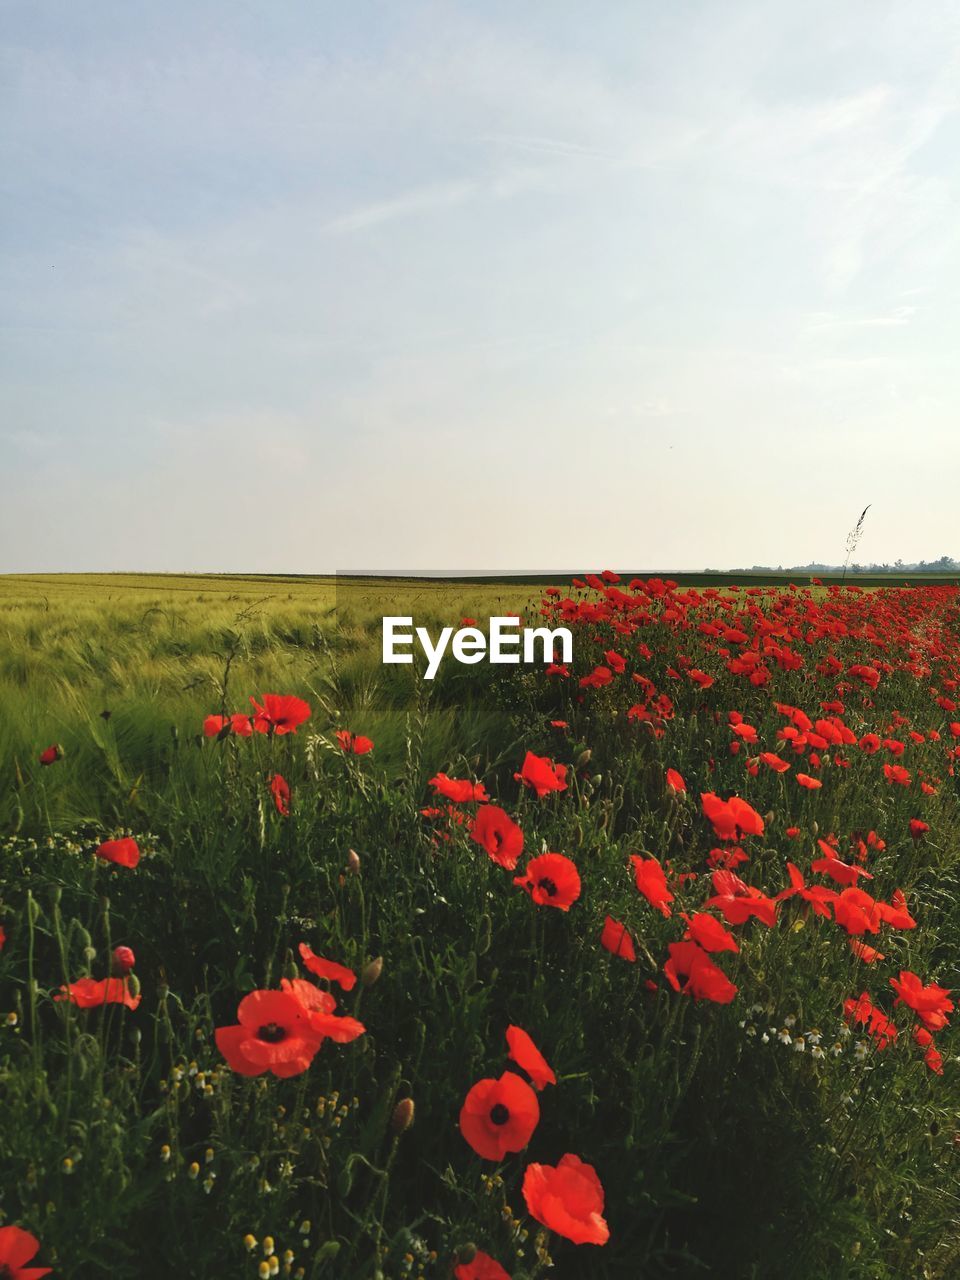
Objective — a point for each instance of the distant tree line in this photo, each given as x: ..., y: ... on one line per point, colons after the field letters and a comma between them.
x: 946, y: 564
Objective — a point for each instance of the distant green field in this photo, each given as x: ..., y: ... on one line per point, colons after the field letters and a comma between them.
x: 158, y: 651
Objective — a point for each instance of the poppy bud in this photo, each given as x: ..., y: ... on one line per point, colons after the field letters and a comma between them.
x: 353, y: 862
x: 89, y: 954
x: 466, y: 1253
x: 371, y: 972
x: 123, y: 962
x: 815, y: 828
x: 584, y: 758
x: 402, y: 1117
x: 133, y: 984
x: 768, y: 817
x: 329, y: 1250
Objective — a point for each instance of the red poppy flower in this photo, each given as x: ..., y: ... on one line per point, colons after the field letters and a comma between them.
x: 863, y: 1011
x: 934, y: 1060
x: 895, y: 912
x: 18, y: 1247
x: 774, y: 762
x: 727, y: 859
x: 738, y: 901
x: 122, y: 961
x: 652, y: 883
x: 597, y: 678
x: 321, y: 1005
x: 353, y: 743
x: 709, y: 933
x: 704, y: 979
x: 125, y: 852
x: 857, y: 912
x: 215, y: 726
x: 675, y: 780
x: 552, y: 880
x: 274, y: 1033
x: 499, y: 1116
x: 867, y: 954
x: 480, y: 1267
x: 818, y: 896
x: 495, y: 830
x: 811, y: 784
x: 617, y: 940
x: 3, y: 937
x: 280, y: 713
x: 542, y: 775
x: 895, y: 773
x: 869, y: 675
x: 90, y: 993
x: 567, y: 1199
x: 616, y: 661
x: 842, y: 872
x: 931, y: 1004
x: 745, y: 731
x: 529, y: 1058
x: 280, y: 790
x: 50, y: 755
x: 918, y: 828
x: 328, y: 969
x: 732, y: 819
x: 312, y: 997
x: 459, y: 790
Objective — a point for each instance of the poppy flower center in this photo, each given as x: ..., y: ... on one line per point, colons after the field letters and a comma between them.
x: 272, y: 1032
x: 548, y: 886
x: 499, y: 1114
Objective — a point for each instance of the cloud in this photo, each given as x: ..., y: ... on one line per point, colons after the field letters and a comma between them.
x: 825, y: 321
x: 423, y: 200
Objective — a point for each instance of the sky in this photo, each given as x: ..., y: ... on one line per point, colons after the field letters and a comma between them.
x: 477, y: 286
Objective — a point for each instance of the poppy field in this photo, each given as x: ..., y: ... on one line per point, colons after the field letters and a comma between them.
x: 642, y: 965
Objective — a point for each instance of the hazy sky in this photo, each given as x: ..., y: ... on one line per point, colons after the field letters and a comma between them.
x: 314, y: 286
